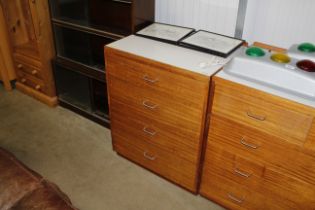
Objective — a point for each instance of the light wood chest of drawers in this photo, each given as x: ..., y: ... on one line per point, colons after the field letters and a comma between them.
x: 29, y: 29
x: 157, y: 115
x: 260, y: 150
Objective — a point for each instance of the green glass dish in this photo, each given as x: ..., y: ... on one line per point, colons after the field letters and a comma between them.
x: 280, y: 58
x: 307, y: 47
x: 255, y: 52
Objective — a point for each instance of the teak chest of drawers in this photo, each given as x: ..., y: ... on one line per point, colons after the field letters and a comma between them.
x: 157, y: 115
x: 253, y: 150
x: 260, y: 151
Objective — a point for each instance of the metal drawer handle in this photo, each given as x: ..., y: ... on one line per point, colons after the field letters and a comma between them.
x: 122, y: 1
x: 252, y: 146
x: 233, y: 198
x: 20, y: 66
x: 152, y: 133
x: 147, y: 79
x: 34, y: 72
x: 145, y: 154
x: 150, y: 106
x: 256, y: 117
x: 241, y: 173
x: 23, y: 80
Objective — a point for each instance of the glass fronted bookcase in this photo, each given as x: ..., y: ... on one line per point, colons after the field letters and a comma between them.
x: 81, y: 29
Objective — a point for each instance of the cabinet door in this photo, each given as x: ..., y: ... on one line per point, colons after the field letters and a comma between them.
x: 113, y: 15
x: 109, y: 15
x: 20, y: 26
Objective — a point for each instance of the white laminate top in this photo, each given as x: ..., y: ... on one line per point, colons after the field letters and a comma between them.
x: 195, y: 61
x: 271, y: 90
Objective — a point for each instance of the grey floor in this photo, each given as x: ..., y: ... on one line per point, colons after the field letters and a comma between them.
x: 77, y: 154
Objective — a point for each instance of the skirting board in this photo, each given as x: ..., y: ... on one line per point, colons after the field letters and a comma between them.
x: 50, y: 101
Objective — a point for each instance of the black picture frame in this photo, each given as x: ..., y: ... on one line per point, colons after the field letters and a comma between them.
x: 191, y: 30
x: 208, y: 50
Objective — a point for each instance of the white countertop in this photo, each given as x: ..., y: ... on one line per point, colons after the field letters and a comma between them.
x: 191, y: 60
x: 195, y: 61
x: 273, y: 91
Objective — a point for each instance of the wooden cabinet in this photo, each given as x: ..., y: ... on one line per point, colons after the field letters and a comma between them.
x: 260, y: 150
x: 7, y: 72
x: 21, y: 27
x: 28, y: 25
x: 157, y: 115
x: 81, y: 29
x: 112, y: 17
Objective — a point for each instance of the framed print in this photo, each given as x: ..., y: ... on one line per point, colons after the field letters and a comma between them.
x: 212, y: 43
x: 165, y: 32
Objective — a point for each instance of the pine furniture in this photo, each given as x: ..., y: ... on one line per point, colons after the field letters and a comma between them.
x: 28, y: 25
x: 7, y: 71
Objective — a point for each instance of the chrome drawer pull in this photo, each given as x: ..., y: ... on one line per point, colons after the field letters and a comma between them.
x: 150, y: 106
x: 152, y: 133
x: 256, y: 117
x: 145, y: 154
x: 233, y: 198
x: 122, y: 1
x: 237, y: 171
x: 252, y: 146
x: 147, y: 79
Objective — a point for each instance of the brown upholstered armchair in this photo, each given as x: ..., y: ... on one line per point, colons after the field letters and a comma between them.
x: 23, y: 189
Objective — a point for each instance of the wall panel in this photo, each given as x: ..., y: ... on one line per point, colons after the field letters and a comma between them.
x: 280, y: 22
x: 213, y: 15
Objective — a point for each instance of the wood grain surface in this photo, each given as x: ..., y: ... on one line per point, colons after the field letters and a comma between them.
x: 158, y: 114
x: 262, y: 161
x: 29, y: 27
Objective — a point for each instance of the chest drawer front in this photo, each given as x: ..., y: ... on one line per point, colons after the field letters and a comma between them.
x: 162, y: 79
x: 156, y: 106
x: 31, y: 82
x: 28, y: 69
x: 240, y: 139
x: 236, y: 196
x: 27, y: 60
x: 232, y: 166
x: 159, y: 161
x: 185, y: 95
x: 289, y: 189
x: 265, y: 179
x: 262, y: 115
x: 130, y: 123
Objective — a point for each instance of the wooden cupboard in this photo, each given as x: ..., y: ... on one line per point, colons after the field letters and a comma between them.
x: 157, y: 118
x: 260, y: 150
x: 7, y: 72
x: 29, y: 28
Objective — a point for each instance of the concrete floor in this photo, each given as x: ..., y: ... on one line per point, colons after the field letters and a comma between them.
x: 77, y: 154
